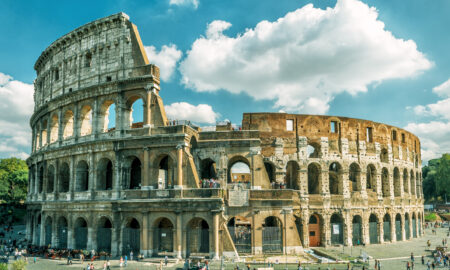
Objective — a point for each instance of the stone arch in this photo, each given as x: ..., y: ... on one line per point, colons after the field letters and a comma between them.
x: 38, y: 228
x: 107, y: 113
x: 407, y: 227
x: 68, y: 124
x: 240, y: 230
x: 371, y: 177
x: 315, y: 223
x: 82, y: 176
x: 86, y: 120
x: 292, y: 169
x: 197, y: 237
x: 54, y: 128
x: 131, y: 114
x: 208, y: 169
x: 163, y: 240
x: 64, y: 177
x: 387, y: 228
x: 398, y: 227
x: 397, y: 188
x: 50, y: 178
x: 314, y: 178
x: 272, y: 235
x: 385, y: 182
x: 337, y: 229
x: 313, y: 150
x: 48, y: 231
x: 354, y: 176
x: 373, y: 229
x: 239, y: 170
x: 44, y: 127
x: 131, y: 236
x: 335, y: 181
x: 384, y: 155
x: 80, y: 233
x: 105, y: 173
x: 166, y: 172
x: 104, y: 233
x: 270, y: 170
x: 412, y: 185
x: 134, y: 168
x: 62, y: 232
x: 414, y: 225
x: 357, y: 238
x: 405, y: 180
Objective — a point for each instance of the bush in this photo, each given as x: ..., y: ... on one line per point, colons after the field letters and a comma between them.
x: 430, y: 217
x: 19, y: 265
x: 3, y: 266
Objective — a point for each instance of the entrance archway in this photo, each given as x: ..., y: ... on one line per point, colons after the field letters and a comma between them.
x: 48, y: 231
x: 314, y: 226
x: 414, y: 225
x: 373, y: 229
x: 163, y: 236
x: 62, y: 233
x: 272, y: 235
x: 357, y: 230
x: 407, y: 229
x: 104, y: 232
x: 337, y: 229
x: 241, y: 234
x: 398, y: 227
x: 81, y: 233
x: 197, y: 237
x: 131, y: 240
x: 387, y: 228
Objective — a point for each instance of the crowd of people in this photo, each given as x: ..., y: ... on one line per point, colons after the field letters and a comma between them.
x: 210, y: 183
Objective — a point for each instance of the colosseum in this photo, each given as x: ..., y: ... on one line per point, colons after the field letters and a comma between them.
x: 277, y: 184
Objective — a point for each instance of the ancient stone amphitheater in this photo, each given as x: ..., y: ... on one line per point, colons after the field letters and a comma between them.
x: 100, y: 179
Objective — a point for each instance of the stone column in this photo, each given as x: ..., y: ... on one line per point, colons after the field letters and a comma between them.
x: 147, y: 107
x: 324, y: 183
x: 144, y: 234
x: 326, y: 230
x: 146, y: 176
x: 179, y: 184
x: 42, y: 237
x: 114, y: 242
x: 363, y: 183
x: 393, y: 233
x: 179, y: 236
x: 303, y: 181
x: 403, y: 227
x: 92, y: 175
x: 72, y: 177
x: 95, y: 119
x: 117, y: 176
x: 380, y: 230
x: 36, y: 180
x: 92, y: 237
x: 216, y: 233
x: 365, y: 229
x: 70, y: 233
x: 391, y: 184
x: 347, y: 227
x: 345, y: 182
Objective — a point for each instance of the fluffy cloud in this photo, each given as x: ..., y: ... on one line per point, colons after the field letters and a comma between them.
x: 201, y: 113
x: 435, y: 134
x: 304, y: 59
x: 166, y: 59
x: 16, y: 108
x: 193, y: 3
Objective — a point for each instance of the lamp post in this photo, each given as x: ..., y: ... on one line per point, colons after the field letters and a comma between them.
x: 285, y: 211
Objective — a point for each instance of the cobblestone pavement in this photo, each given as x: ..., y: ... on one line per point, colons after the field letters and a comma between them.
x: 392, y: 256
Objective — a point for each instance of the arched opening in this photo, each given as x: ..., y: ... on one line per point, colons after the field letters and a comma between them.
x: 337, y: 229
x: 314, y: 229
x: 387, y: 228
x: 64, y: 177
x: 104, y: 232
x: 135, y: 174
x: 197, y: 237
x: 107, y: 119
x: 419, y: 221
x: 48, y: 231
x: 371, y: 178
x: 407, y: 229
x: 241, y: 233
x: 131, y: 237
x: 414, y: 225
x: 239, y: 171
x: 166, y: 173
x: 41, y: 179
x: 385, y: 182
x: 105, y: 174
x: 136, y: 112
x: 50, y: 178
x: 68, y: 124
x: 373, y: 229
x: 313, y: 150
x: 398, y: 227
x: 355, y: 177
x: 62, y: 232
x: 335, y: 178
x: 405, y: 181
x: 272, y: 235
x: 397, y: 188
x: 163, y: 237
x: 54, y: 127
x: 44, y: 133
x: 38, y: 141
x: 357, y: 230
x: 81, y: 233
x: 86, y: 120
x: 384, y: 156
x: 313, y: 178
x: 292, y: 169
x: 208, y: 169
x: 38, y: 230
x: 270, y: 170
x: 82, y: 176
x: 412, y: 184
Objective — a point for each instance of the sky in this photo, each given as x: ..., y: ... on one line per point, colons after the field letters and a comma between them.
x: 385, y: 61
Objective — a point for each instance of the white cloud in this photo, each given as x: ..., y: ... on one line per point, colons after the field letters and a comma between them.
x: 443, y: 89
x: 16, y: 107
x: 201, y: 113
x: 193, y: 3
x: 304, y: 59
x: 434, y: 137
x: 166, y: 59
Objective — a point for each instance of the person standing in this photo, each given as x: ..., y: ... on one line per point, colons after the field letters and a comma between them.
x: 407, y: 266
x: 121, y: 261
x: 423, y: 259
x: 166, y: 260
x: 131, y: 255
x: 379, y: 265
x: 125, y: 263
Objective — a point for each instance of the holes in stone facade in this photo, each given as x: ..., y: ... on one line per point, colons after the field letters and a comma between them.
x: 313, y: 150
x: 86, y: 120
x: 355, y: 177
x: 371, y: 177
x: 82, y: 176
x: 385, y: 182
x: 68, y: 124
x: 334, y: 178
x: 88, y: 60
x: 384, y: 156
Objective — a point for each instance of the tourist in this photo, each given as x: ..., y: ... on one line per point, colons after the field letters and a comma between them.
x: 423, y: 259
x: 412, y: 256
x: 104, y: 265
x: 428, y: 264
x: 166, y: 260
x: 125, y: 263
x: 379, y: 265
x: 408, y: 267
x: 376, y: 264
x: 88, y: 267
x: 108, y: 265
x: 121, y: 261
x: 131, y: 255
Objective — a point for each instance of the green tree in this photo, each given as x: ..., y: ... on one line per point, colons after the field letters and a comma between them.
x: 436, y: 178
x: 443, y: 176
x: 13, y: 180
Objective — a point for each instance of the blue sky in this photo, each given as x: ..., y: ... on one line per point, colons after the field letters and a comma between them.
x: 385, y: 61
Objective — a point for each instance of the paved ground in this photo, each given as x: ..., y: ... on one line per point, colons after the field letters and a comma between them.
x: 392, y: 256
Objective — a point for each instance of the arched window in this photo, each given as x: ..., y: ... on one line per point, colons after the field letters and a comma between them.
x: 107, y: 119
x: 397, y: 189
x: 384, y: 157
x: 385, y: 182
x: 135, y: 174
x: 292, y: 175
x: 355, y: 177
x: 313, y: 150
x: 335, y: 178
x: 412, y: 184
x: 48, y: 231
x: 208, y: 169
x: 239, y: 172
x: 68, y: 124
x: 272, y: 235
x: 105, y: 174
x: 44, y: 133
x: 166, y: 173
x: 163, y: 236
x: 50, y: 178
x: 131, y: 237
x: 405, y: 181
x: 270, y: 170
x: 136, y: 113
x: 81, y: 233
x: 337, y: 229
x: 197, y: 236
x: 240, y: 231
x: 357, y: 230
x: 62, y: 230
x: 64, y: 174
x: 387, y: 228
x: 104, y: 232
x: 86, y: 120
x: 54, y: 127
x: 373, y: 229
x: 313, y: 178
x: 41, y: 179
x: 82, y: 176
x: 371, y: 178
